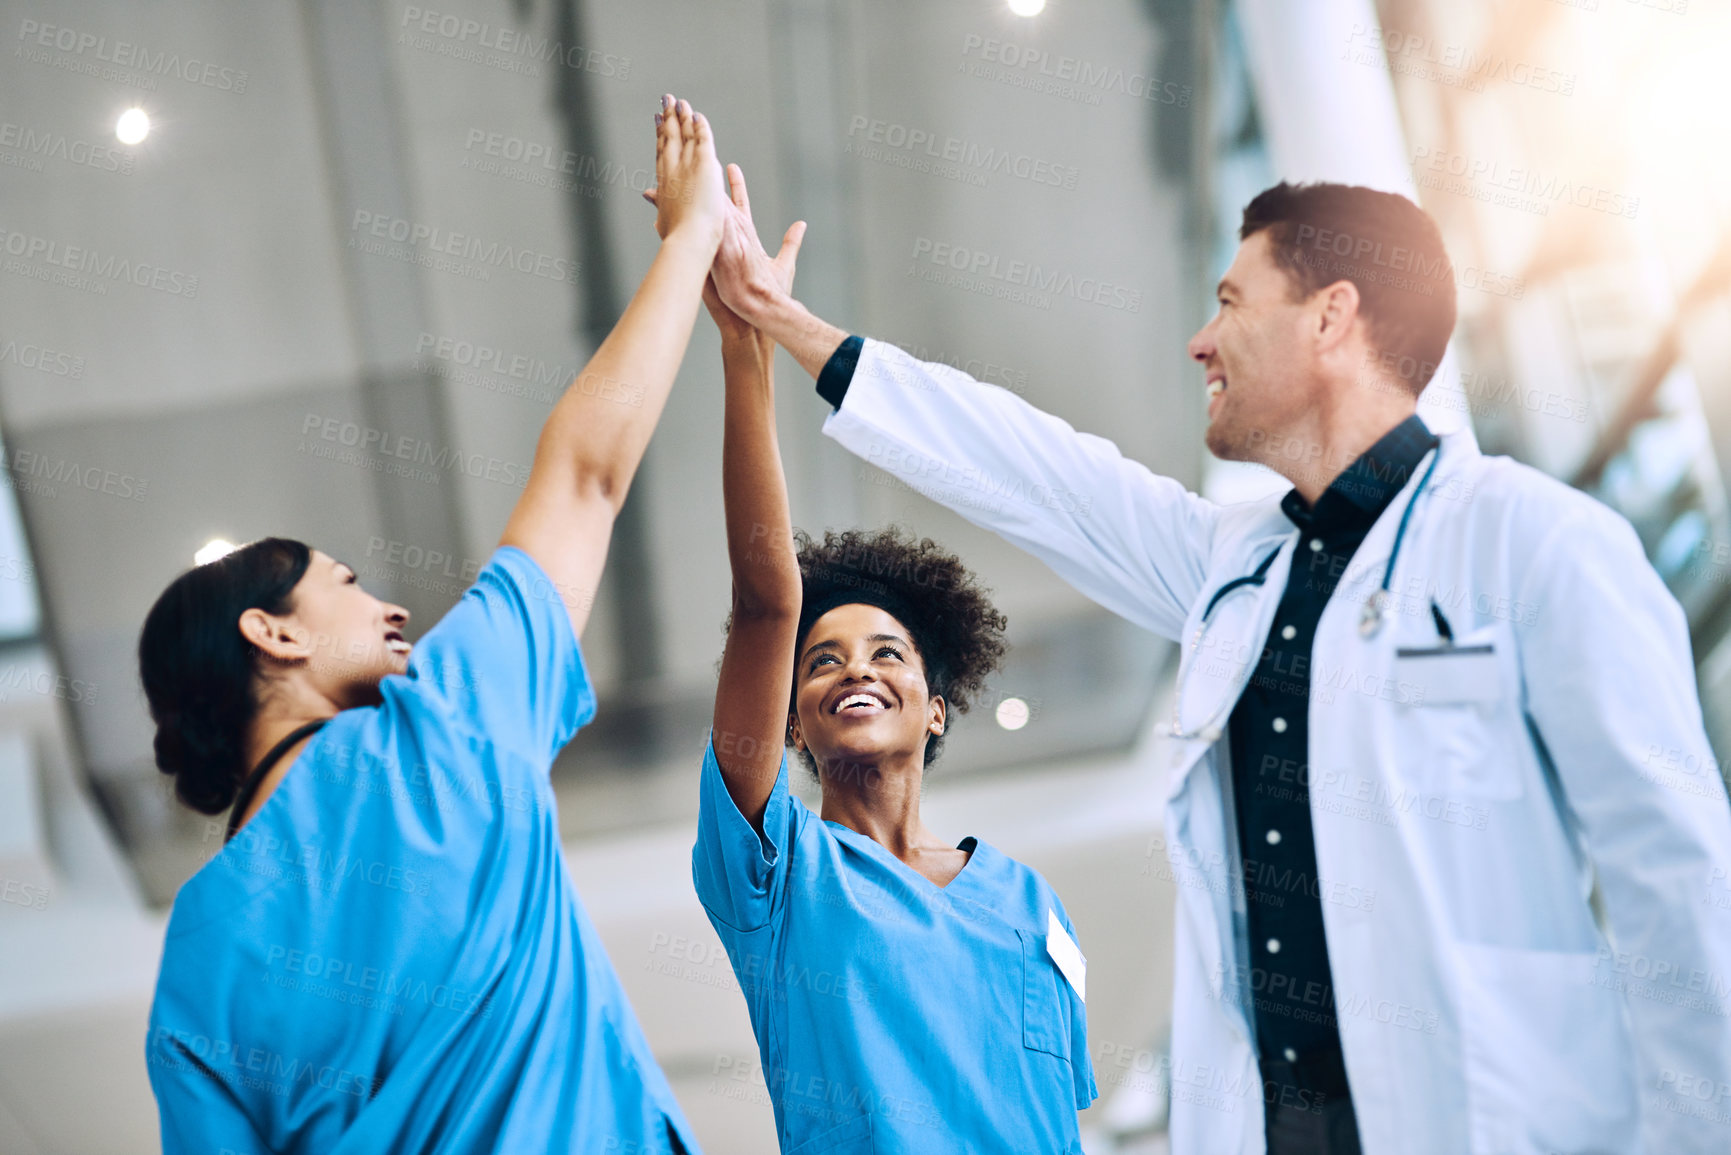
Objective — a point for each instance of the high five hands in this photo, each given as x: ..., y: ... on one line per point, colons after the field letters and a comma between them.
x: 744, y: 279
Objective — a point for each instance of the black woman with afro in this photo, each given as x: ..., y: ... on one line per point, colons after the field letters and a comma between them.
x: 909, y: 994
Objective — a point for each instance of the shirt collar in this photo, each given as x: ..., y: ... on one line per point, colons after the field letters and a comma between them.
x: 1356, y: 498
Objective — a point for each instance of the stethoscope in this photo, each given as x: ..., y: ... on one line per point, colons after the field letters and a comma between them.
x: 1370, y: 619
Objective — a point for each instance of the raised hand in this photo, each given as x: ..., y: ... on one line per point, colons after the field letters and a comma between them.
x: 781, y: 267
x: 689, y: 193
x: 745, y: 275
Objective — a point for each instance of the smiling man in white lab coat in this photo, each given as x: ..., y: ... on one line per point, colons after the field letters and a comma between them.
x: 1454, y: 855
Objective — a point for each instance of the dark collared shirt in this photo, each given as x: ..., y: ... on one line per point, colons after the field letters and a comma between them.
x: 1290, y: 982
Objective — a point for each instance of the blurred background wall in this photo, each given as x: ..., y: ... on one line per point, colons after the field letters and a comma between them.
x: 334, y: 290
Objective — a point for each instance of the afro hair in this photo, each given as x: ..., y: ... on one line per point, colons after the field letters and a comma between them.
x: 956, y: 629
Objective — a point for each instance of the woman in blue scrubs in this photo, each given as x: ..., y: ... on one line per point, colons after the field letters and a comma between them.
x: 387, y: 955
x: 909, y: 995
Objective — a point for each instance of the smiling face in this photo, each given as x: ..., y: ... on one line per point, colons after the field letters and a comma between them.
x: 860, y: 692
x: 339, y: 636
x: 1257, y: 354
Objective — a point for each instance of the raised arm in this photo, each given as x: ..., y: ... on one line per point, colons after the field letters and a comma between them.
x: 1134, y: 541
x: 757, y: 665
x: 594, y: 439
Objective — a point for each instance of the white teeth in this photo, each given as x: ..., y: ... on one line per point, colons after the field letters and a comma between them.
x: 397, y: 647
x: 1215, y: 389
x: 858, y: 699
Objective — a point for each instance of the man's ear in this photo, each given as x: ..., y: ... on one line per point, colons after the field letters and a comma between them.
x: 1340, y: 308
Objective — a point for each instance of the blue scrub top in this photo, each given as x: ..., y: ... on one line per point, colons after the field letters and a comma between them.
x: 893, y: 1016
x: 390, y: 956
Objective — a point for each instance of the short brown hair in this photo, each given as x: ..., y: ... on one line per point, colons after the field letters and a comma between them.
x: 1384, y: 244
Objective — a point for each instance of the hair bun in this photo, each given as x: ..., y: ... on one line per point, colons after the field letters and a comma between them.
x: 200, y: 761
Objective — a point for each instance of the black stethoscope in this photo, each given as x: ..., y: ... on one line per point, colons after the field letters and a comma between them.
x: 1370, y: 619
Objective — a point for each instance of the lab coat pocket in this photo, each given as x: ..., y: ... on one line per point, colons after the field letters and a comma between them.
x: 1548, y: 1057
x: 851, y: 1138
x: 1045, y: 1001
x: 1457, y: 718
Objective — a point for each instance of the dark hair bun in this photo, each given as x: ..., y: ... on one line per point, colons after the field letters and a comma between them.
x: 199, y: 672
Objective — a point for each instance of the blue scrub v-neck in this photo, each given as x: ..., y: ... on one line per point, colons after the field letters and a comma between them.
x: 893, y: 1016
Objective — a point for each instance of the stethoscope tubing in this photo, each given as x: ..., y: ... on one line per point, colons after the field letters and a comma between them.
x: 1210, y: 729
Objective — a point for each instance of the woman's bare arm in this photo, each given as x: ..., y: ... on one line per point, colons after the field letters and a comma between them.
x: 594, y: 439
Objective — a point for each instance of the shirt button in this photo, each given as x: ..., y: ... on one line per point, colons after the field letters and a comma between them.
x: 1289, y: 632
x: 1316, y: 545
x: 1280, y: 725
x: 1273, y: 837
x: 1273, y: 946
x: 1290, y: 1054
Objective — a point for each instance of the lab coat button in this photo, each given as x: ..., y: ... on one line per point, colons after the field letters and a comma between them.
x: 1273, y: 946
x: 1316, y: 545
x: 1273, y: 837
x: 1280, y: 725
x: 1289, y: 632
x: 1290, y: 1055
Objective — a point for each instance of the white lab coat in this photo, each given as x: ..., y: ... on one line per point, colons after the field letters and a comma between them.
x: 1483, y: 1005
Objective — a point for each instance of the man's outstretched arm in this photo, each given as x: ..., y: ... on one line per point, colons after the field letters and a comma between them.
x: 1133, y: 541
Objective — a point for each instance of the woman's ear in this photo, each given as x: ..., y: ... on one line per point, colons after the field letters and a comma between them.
x: 939, y: 714
x: 794, y: 737
x: 273, y: 636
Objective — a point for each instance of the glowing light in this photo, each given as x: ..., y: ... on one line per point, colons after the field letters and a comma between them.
x: 1012, y: 713
x: 1027, y: 8
x: 215, y: 548
x: 133, y: 126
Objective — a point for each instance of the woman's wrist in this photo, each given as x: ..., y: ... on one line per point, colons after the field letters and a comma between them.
x: 697, y: 239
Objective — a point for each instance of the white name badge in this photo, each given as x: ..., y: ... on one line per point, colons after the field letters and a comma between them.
x: 1067, y: 955
x: 1444, y: 675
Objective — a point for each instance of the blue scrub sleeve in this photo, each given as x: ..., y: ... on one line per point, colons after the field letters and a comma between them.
x: 740, y: 876
x: 197, y: 1111
x: 505, y: 658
